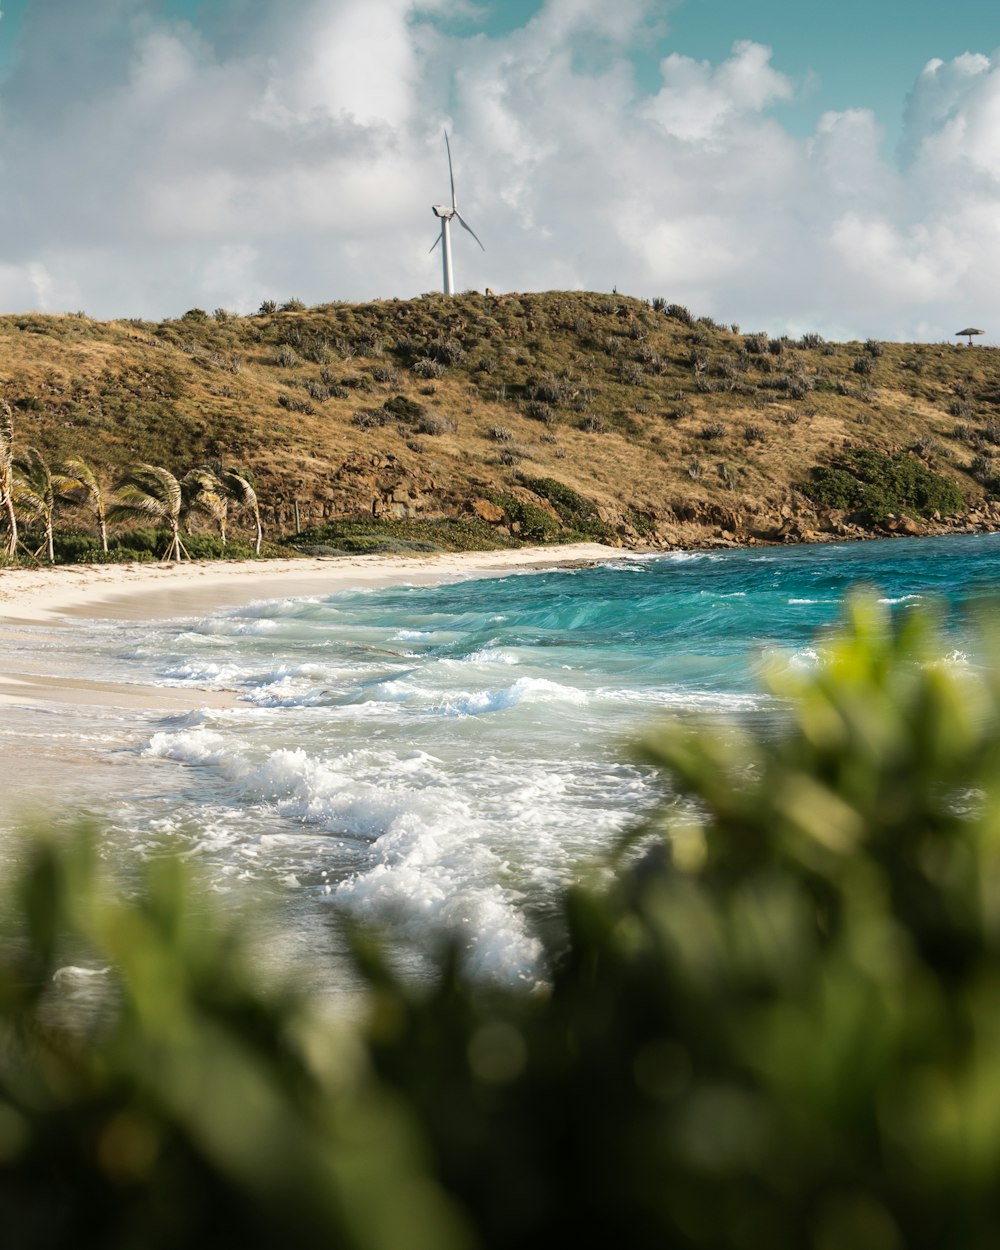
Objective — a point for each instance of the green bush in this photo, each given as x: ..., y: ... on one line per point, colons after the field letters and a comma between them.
x: 776, y: 1027
x: 877, y: 484
x: 536, y: 525
x: 575, y: 510
x: 380, y: 534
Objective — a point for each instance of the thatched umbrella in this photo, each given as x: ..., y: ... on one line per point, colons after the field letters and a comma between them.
x: 960, y: 334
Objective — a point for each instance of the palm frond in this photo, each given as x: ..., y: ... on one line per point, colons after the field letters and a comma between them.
x: 76, y: 477
x: 32, y: 485
x: 6, y: 434
x: 203, y: 492
x: 149, y: 490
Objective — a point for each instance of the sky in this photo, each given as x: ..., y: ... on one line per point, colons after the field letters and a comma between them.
x: 826, y: 167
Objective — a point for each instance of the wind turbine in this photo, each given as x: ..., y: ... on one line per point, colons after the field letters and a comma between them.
x: 446, y: 214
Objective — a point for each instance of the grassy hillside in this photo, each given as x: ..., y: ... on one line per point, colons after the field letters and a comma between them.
x: 533, y: 415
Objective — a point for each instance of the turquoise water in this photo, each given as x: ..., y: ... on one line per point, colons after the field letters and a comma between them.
x: 446, y: 756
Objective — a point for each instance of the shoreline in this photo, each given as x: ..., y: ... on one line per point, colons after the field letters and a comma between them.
x: 65, y: 596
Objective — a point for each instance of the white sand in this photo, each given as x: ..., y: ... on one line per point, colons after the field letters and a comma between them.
x: 137, y: 592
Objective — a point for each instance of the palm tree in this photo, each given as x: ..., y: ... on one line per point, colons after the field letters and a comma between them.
x: 218, y: 491
x: 242, y: 495
x: 204, y: 492
x: 34, y: 493
x: 7, y: 475
x: 76, y: 482
x: 149, y: 490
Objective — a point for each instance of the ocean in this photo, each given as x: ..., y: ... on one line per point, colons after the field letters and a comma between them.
x: 443, y: 758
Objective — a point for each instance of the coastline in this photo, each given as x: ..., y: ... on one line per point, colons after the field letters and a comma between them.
x: 67, y: 595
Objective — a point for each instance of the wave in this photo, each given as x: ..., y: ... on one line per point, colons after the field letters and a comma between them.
x: 430, y: 867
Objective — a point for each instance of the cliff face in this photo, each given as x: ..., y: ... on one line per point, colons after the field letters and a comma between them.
x: 639, y: 423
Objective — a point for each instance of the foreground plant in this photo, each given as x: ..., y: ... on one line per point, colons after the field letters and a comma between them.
x: 776, y: 1028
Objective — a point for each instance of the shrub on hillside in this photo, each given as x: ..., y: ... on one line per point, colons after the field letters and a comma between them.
x: 755, y: 344
x: 876, y: 485
x: 296, y: 403
x: 677, y: 312
x: 372, y: 418
x: 433, y: 424
x: 575, y: 510
x: 404, y: 407
x: 286, y: 357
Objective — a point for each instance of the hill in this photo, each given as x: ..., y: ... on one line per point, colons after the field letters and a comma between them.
x: 533, y: 415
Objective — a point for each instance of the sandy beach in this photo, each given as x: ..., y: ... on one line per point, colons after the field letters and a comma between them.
x: 65, y: 595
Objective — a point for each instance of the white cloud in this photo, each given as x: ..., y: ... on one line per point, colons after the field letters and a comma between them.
x: 296, y: 149
x: 698, y: 101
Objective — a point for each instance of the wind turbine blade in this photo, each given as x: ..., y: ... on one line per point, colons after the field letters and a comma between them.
x: 469, y: 228
x: 451, y: 173
x: 436, y: 242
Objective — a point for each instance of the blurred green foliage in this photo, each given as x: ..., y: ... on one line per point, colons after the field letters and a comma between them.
x: 778, y: 1026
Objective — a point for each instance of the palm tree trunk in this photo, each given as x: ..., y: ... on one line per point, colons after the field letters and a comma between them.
x: 48, y: 539
x: 260, y: 533
x: 175, y: 546
x: 222, y: 531
x: 11, y: 527
x: 103, y: 528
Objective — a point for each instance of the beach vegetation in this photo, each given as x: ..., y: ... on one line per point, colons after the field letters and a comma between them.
x: 391, y: 534
x: 146, y: 544
x: 769, y: 1020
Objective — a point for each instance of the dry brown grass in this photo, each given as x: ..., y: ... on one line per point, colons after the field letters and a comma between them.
x: 180, y: 392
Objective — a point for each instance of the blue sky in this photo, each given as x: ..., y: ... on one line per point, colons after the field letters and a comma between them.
x: 791, y: 166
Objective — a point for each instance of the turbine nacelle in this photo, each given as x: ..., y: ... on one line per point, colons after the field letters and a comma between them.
x: 444, y: 212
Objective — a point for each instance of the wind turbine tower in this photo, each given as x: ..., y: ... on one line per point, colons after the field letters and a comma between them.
x: 447, y: 213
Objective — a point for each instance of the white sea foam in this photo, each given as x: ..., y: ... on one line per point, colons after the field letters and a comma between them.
x: 696, y: 700
x: 189, y: 746
x: 901, y: 599
x: 490, y: 655
x: 524, y: 690
x: 431, y: 866
x: 955, y: 659
x: 238, y: 626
